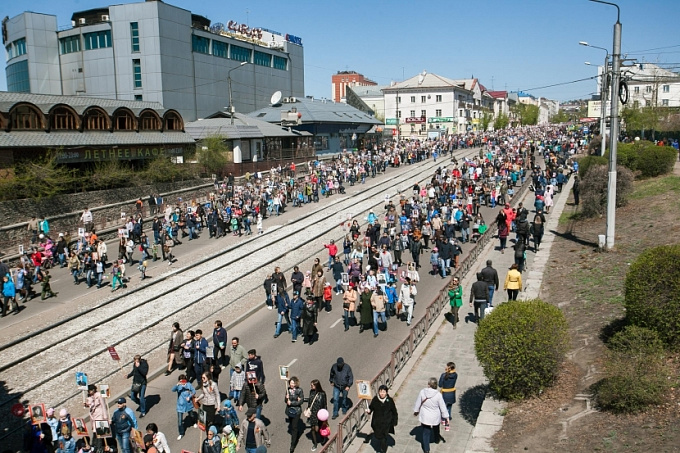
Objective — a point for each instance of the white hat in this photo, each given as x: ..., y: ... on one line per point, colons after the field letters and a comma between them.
x: 227, y: 429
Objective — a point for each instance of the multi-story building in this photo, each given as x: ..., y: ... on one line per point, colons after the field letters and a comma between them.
x: 343, y: 79
x: 652, y: 86
x: 431, y: 105
x: 153, y: 51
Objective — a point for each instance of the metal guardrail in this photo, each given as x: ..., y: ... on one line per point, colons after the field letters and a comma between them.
x: 356, y: 417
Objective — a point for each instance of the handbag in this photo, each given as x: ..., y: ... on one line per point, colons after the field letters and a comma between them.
x: 136, y: 387
x: 308, y: 411
x: 292, y: 411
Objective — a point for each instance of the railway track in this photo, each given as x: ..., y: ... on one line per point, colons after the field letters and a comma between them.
x: 136, y: 321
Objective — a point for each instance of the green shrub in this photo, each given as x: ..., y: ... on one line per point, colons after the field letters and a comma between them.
x: 645, y: 158
x: 636, y: 373
x: 588, y: 162
x: 521, y: 346
x: 626, y: 155
x: 652, y: 292
x: 594, y: 189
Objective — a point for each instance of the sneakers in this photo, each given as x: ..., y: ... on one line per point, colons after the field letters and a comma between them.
x: 447, y: 427
x: 179, y: 437
x: 313, y: 447
x: 269, y: 307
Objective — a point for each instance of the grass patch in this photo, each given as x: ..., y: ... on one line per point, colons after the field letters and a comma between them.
x: 653, y: 187
x: 567, y: 217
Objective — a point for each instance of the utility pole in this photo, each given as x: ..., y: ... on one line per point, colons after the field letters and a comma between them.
x: 614, y: 133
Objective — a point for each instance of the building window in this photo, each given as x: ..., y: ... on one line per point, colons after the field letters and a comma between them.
x: 423, y: 99
x: 460, y: 112
x: 664, y: 102
x: 239, y: 53
x: 636, y: 90
x: 149, y: 122
x: 438, y: 112
x: 139, y: 97
x: 200, y: 44
x: 17, y: 77
x: 123, y: 121
x: 423, y: 113
x: 63, y: 119
x: 97, y: 40
x: 648, y: 89
x: 413, y: 99
x: 69, y: 44
x: 219, y: 49
x: 412, y: 113
x: 666, y: 88
x: 262, y: 59
x: 16, y: 49
x: 95, y: 120
x: 438, y: 98
x: 25, y: 118
x: 134, y: 36
x: 398, y: 99
x: 636, y: 104
x: 280, y: 63
x: 137, y: 72
x: 173, y: 122
x: 398, y: 113
x: 423, y: 128
x: 648, y: 103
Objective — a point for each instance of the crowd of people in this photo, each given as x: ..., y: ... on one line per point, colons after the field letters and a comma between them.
x: 374, y: 272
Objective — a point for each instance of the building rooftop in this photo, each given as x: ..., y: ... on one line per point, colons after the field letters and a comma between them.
x: 45, y: 102
x: 316, y: 111
x: 244, y: 127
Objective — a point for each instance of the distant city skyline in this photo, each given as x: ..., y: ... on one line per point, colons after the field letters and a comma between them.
x: 531, y: 45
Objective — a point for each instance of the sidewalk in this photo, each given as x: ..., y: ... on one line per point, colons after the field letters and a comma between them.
x: 475, y: 418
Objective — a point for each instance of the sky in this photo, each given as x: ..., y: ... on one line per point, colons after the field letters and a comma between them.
x: 527, y: 45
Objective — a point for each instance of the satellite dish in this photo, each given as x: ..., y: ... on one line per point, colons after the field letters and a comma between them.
x: 276, y: 98
x: 420, y: 79
x: 217, y: 28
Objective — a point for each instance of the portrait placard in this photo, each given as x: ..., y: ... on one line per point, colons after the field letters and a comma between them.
x: 81, y: 427
x: 283, y: 372
x: 102, y: 429
x: 364, y: 390
x: 81, y: 380
x: 37, y: 413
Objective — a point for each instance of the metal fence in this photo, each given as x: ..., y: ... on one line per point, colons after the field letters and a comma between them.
x: 356, y: 417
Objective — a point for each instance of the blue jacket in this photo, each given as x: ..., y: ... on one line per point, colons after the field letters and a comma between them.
x: 184, y: 394
x: 391, y: 293
x: 219, y: 336
x: 123, y: 421
x: 282, y: 303
x: 8, y: 289
x: 199, y: 353
x: 296, y: 307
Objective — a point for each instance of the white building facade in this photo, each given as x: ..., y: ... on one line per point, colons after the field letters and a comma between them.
x: 153, y: 51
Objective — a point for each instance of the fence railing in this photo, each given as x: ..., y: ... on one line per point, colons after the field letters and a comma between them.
x: 356, y: 417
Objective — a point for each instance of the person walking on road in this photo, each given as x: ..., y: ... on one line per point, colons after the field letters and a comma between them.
x: 309, y: 320
x: 430, y: 410
x: 341, y: 378
x: 210, y: 398
x: 294, y: 398
x: 219, y: 340
x: 455, y: 299
x: 123, y: 420
x: 253, y: 394
x: 175, y: 359
x: 365, y: 309
x: 237, y: 355
x: 447, y: 382
x: 385, y: 417
x: 297, y: 307
x: 538, y: 228
x: 491, y: 278
x: 185, y: 392
x: 407, y: 298
x: 349, y: 299
x: 513, y: 282
x: 253, y: 433
x: 317, y: 400
x: 576, y: 189
x: 140, y: 368
x: 479, y: 296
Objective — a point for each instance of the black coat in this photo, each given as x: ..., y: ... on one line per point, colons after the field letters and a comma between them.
x: 385, y: 416
x: 309, y: 317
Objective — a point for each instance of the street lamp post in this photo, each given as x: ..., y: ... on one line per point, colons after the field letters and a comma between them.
x: 231, y: 104
x: 614, y: 132
x: 603, y: 95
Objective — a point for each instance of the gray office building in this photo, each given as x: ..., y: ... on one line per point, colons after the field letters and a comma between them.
x: 153, y: 51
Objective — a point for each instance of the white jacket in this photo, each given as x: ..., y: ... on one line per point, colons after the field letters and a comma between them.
x: 430, y: 407
x: 406, y: 294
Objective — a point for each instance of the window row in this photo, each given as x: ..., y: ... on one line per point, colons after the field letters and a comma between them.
x: 16, y: 48
x: 423, y: 99
x: 201, y: 44
x: 28, y: 117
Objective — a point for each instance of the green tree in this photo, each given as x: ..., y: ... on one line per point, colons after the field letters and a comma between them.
x: 42, y: 177
x: 163, y: 169
x: 501, y: 121
x: 560, y: 117
x: 485, y: 120
x: 527, y: 114
x: 212, y: 153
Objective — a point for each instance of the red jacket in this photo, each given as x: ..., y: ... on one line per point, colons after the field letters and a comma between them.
x: 332, y: 249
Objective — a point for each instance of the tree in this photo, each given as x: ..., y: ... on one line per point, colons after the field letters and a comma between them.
x: 501, y: 121
x: 484, y: 121
x: 212, y: 153
x: 560, y: 117
x: 42, y: 177
x: 527, y: 114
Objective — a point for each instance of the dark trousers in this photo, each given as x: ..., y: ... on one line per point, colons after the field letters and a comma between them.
x: 512, y: 294
x: 429, y: 432
x: 216, y: 353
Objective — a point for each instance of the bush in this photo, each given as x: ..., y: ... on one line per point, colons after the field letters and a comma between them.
x: 594, y: 189
x: 636, y: 373
x: 652, y: 292
x: 588, y: 162
x: 521, y: 346
x: 645, y: 158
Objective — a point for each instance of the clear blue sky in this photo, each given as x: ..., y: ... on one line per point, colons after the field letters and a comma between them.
x: 507, y: 44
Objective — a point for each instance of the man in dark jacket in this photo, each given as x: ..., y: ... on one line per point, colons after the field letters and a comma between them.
x: 341, y: 378
x: 219, y: 340
x: 254, y: 365
x: 491, y: 279
x: 446, y: 254
x: 296, y: 307
x: 140, y: 368
x: 296, y: 279
x: 479, y: 296
x: 337, y: 269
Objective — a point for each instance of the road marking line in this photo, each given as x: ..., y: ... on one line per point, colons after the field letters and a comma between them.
x: 336, y: 323
x: 291, y: 363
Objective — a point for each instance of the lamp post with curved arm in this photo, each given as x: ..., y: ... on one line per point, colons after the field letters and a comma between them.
x: 603, y: 95
x: 231, y: 105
